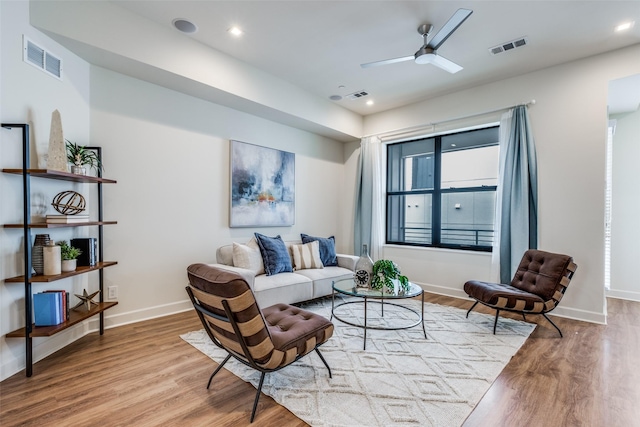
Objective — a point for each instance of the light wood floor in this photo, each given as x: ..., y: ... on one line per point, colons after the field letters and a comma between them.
x: 144, y: 375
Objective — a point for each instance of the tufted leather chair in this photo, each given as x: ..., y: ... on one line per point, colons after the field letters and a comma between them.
x: 266, y: 340
x: 537, y: 286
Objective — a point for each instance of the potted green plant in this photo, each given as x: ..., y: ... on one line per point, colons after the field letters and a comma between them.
x: 385, y: 272
x: 69, y: 255
x: 79, y: 156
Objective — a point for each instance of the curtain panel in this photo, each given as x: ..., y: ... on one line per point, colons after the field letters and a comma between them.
x: 369, y: 203
x: 516, y: 222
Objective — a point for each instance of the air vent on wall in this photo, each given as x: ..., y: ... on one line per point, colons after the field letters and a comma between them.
x: 41, y: 59
x: 357, y: 95
x: 522, y: 41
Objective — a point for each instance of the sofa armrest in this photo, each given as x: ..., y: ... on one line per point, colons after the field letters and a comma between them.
x: 246, y: 274
x: 347, y: 261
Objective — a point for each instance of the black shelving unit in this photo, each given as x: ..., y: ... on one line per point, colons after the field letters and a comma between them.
x: 29, y: 331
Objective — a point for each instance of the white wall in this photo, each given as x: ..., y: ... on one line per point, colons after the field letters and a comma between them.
x: 570, y: 127
x: 30, y: 96
x: 169, y: 153
x: 625, y: 221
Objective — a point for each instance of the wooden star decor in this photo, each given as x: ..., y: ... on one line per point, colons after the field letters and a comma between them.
x: 86, y: 299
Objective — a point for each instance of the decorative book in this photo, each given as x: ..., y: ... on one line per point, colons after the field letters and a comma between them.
x: 47, y: 308
x: 66, y: 219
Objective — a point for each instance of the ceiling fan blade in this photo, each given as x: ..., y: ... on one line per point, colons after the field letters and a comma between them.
x: 387, y: 61
x: 447, y: 29
x: 444, y: 63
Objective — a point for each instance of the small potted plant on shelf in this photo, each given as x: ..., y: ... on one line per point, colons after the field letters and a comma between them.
x: 69, y: 255
x: 79, y: 156
x: 385, y: 273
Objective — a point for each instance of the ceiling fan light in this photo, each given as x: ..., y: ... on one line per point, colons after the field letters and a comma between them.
x: 425, y: 58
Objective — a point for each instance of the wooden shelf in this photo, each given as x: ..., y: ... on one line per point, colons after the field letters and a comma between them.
x: 27, y: 279
x: 46, y: 279
x: 75, y: 317
x: 59, y: 225
x: 63, y: 176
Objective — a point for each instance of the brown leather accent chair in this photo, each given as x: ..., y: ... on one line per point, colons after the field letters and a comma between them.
x: 266, y: 340
x: 536, y: 288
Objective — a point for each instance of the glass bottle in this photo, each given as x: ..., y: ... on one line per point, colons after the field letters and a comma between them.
x: 363, y: 270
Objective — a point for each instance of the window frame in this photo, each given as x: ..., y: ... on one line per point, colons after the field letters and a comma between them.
x: 436, y: 196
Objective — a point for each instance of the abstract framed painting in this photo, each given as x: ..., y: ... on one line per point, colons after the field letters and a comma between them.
x: 262, y: 186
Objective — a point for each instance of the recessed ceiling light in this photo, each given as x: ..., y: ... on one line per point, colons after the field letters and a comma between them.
x: 185, y: 26
x: 235, y: 31
x: 370, y: 102
x: 624, y: 26
x: 335, y: 97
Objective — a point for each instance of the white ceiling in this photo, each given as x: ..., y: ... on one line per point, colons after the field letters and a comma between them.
x: 319, y: 45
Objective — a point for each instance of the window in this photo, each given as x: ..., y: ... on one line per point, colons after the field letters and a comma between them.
x: 441, y: 190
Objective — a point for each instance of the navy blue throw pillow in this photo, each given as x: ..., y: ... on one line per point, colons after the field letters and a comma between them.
x: 327, y: 248
x: 275, y: 254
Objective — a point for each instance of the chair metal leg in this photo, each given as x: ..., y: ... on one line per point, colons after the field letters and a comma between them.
x: 324, y: 361
x: 554, y: 325
x: 255, y: 402
x: 524, y: 318
x: 472, y: 307
x: 495, y: 322
x: 217, y: 369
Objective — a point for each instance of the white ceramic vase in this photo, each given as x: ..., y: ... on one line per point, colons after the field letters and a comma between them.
x: 69, y: 265
x: 78, y: 170
x: 52, y: 259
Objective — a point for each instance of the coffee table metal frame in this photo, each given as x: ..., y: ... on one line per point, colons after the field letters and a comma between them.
x: 348, y: 287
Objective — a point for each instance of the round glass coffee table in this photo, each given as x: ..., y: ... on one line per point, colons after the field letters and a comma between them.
x: 366, y: 296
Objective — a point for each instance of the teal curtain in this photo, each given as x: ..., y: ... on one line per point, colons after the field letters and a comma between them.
x: 369, y: 204
x: 517, y: 201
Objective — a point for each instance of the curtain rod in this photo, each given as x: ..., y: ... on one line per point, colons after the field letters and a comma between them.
x: 432, y: 124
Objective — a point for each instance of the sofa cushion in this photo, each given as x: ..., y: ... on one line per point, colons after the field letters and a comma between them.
x: 284, y: 287
x: 248, y: 256
x: 306, y: 256
x: 323, y: 279
x: 327, y: 248
x: 275, y: 255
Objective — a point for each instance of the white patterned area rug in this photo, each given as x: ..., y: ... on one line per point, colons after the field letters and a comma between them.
x: 401, y: 379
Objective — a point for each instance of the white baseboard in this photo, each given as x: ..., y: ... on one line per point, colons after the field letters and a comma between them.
x: 443, y: 290
x: 135, y: 316
x: 578, y: 314
x: 43, y: 347
x: 628, y: 295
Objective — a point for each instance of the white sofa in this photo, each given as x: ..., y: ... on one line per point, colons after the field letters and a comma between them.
x: 289, y: 288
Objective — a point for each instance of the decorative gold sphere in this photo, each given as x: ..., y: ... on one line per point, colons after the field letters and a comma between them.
x: 69, y: 203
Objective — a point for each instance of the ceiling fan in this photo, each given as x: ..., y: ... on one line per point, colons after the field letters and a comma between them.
x: 427, y: 53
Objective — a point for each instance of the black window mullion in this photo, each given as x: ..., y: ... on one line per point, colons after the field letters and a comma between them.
x: 436, y: 200
x: 425, y: 169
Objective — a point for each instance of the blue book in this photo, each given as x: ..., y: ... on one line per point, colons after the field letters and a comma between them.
x: 47, y: 308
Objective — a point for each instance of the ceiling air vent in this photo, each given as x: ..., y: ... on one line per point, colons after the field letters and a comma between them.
x: 522, y: 41
x: 357, y: 95
x: 41, y: 59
